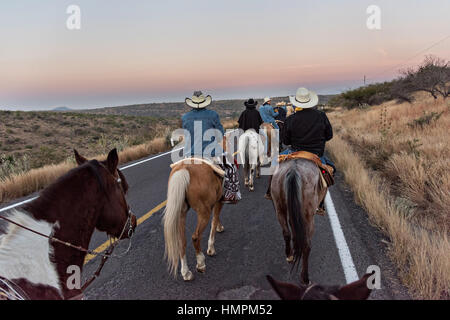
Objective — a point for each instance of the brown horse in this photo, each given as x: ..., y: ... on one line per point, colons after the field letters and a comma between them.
x: 199, y: 187
x: 357, y: 290
x: 87, y: 197
x: 296, y: 195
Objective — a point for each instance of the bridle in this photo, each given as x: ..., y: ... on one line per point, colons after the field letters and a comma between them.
x: 105, y: 254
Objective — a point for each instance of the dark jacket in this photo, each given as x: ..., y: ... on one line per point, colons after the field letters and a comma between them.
x: 250, y: 119
x: 281, y: 114
x: 307, y: 130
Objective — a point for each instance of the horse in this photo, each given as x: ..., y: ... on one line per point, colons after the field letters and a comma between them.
x: 296, y: 195
x: 357, y: 290
x: 196, y: 186
x: 49, y: 236
x: 251, y: 151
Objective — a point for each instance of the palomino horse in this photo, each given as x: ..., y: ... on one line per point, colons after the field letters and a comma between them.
x: 196, y: 186
x: 52, y: 233
x: 296, y: 195
x: 251, y: 151
x: 357, y: 290
x: 270, y: 133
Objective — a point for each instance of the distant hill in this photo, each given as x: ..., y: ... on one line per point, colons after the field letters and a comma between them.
x: 225, y: 108
x: 61, y: 109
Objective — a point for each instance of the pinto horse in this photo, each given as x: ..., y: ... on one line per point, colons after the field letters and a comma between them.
x: 89, y: 196
x: 357, y: 290
x: 251, y: 151
x: 296, y: 195
x: 196, y: 186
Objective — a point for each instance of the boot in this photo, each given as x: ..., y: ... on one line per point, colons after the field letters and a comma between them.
x: 268, y: 195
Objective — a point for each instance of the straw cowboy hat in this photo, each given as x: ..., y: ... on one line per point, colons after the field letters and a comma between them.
x: 304, y: 99
x: 198, y: 100
x: 267, y: 99
x: 280, y: 104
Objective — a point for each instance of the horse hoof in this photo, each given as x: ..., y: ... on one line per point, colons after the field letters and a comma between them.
x: 290, y: 259
x: 220, y: 228
x: 188, y: 276
x: 201, y: 269
x: 211, y: 252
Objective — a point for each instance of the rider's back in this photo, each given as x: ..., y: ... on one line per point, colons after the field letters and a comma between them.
x: 307, y: 130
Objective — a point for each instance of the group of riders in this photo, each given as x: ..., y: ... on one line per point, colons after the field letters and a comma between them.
x: 301, y: 127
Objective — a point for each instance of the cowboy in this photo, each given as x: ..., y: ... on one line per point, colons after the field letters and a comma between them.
x: 281, y: 109
x: 250, y: 118
x: 308, y: 129
x: 267, y: 113
x: 200, y: 117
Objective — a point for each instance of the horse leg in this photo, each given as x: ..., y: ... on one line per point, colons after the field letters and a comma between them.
x: 203, y: 216
x: 282, y: 219
x: 246, y: 167
x: 214, y: 227
x: 252, y: 173
x: 307, y: 247
x: 185, y: 272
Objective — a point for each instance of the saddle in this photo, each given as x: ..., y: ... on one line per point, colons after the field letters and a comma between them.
x: 197, y: 160
x: 326, y: 171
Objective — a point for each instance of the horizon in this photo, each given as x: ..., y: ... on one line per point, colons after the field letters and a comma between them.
x: 140, y: 53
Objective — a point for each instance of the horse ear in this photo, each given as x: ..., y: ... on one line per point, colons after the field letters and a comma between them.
x: 286, y: 291
x: 357, y: 290
x: 78, y: 158
x: 112, y: 161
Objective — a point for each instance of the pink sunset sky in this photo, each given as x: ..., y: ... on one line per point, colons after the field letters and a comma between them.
x: 129, y: 52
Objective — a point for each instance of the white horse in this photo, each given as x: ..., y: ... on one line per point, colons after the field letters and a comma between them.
x: 251, y: 152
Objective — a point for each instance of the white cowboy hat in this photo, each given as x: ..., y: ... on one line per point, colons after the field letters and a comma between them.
x: 198, y: 100
x: 304, y: 98
x: 267, y: 99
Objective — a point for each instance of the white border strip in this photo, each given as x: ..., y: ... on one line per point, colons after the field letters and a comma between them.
x: 341, y: 244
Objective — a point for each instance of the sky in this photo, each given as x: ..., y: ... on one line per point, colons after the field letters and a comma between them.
x: 134, y: 51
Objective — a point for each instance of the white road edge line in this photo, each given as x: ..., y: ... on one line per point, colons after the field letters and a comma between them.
x: 123, y: 168
x: 341, y: 244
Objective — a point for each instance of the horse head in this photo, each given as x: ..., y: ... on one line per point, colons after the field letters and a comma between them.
x: 357, y: 290
x: 116, y: 217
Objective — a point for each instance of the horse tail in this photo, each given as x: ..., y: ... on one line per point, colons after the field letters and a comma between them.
x: 293, y: 189
x: 243, y: 146
x: 176, y: 196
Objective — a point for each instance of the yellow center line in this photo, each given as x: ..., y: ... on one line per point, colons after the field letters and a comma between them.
x: 105, y: 245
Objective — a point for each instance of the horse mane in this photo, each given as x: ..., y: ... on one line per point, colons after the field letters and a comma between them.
x: 53, y: 191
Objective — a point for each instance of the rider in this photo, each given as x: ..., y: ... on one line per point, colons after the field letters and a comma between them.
x: 250, y: 117
x: 307, y: 129
x: 200, y: 117
x: 281, y: 109
x: 267, y: 112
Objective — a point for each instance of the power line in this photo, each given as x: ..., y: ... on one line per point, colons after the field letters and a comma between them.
x: 409, y: 59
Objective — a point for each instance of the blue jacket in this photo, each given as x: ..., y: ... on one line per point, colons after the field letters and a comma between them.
x: 268, y: 114
x: 207, y: 119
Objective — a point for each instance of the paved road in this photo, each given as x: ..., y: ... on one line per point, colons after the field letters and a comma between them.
x: 251, y: 247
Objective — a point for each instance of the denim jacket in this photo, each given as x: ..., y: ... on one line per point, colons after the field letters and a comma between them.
x: 206, y: 119
x: 268, y: 114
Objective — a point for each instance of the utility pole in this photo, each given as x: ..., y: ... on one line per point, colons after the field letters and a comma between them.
x: 364, y: 80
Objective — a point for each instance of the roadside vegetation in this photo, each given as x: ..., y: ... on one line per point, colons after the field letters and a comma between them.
x: 37, y: 147
x: 395, y: 156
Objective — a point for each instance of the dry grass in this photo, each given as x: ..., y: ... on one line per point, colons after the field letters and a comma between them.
x: 23, y: 184
x: 398, y: 173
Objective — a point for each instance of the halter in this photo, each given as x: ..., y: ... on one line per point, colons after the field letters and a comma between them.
x: 108, y: 252
x: 332, y: 297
